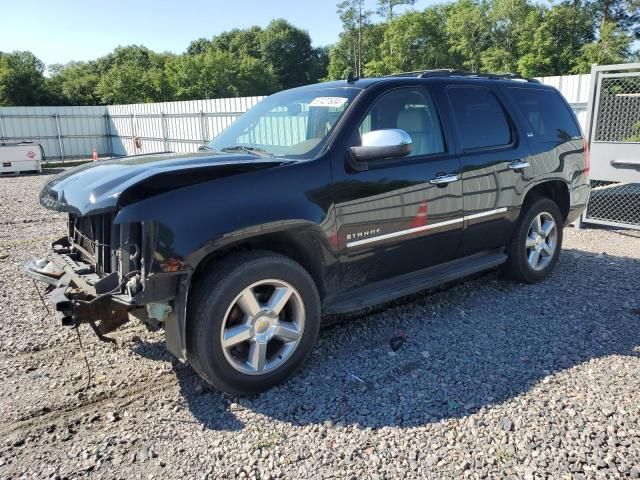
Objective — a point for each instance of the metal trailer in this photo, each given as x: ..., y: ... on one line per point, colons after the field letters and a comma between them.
x: 20, y: 157
x: 613, y: 133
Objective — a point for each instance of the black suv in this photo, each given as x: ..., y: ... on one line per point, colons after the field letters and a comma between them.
x: 323, y: 199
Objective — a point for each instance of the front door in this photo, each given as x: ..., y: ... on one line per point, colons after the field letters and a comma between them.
x: 401, y: 214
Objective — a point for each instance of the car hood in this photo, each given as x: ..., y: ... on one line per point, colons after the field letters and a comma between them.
x: 103, y: 186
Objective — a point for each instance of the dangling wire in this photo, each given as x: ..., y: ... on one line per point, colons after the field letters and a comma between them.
x: 77, y: 329
x: 44, y: 304
x: 84, y: 356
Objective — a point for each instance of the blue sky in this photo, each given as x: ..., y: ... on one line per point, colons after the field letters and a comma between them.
x: 58, y: 31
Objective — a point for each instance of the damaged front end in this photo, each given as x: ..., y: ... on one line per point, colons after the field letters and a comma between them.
x: 95, y: 274
x: 127, y: 251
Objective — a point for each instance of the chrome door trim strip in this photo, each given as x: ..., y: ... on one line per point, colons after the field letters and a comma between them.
x: 409, y: 231
x: 485, y: 214
x: 400, y: 233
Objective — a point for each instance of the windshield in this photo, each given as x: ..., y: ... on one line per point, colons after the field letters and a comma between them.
x: 293, y: 123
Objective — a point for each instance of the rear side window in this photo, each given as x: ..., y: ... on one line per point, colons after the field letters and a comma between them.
x: 549, y: 117
x: 479, y: 117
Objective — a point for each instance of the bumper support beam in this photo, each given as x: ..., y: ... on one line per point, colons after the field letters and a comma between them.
x: 77, y: 293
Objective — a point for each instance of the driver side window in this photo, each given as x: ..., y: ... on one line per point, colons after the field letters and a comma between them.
x: 411, y: 110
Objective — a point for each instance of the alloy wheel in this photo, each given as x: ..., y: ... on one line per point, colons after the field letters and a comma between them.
x: 262, y: 327
x: 542, y: 241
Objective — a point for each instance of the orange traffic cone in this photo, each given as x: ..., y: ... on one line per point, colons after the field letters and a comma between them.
x: 420, y: 220
x: 95, y: 155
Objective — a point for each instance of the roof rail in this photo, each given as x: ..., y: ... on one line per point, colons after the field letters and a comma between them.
x: 449, y: 72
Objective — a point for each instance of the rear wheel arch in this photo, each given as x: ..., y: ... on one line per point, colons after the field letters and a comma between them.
x: 538, y: 234
x: 556, y: 190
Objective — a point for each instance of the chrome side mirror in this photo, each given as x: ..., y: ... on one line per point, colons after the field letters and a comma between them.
x: 379, y: 144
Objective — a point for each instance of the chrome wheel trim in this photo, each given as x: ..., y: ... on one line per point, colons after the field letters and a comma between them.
x: 262, y: 327
x: 542, y: 241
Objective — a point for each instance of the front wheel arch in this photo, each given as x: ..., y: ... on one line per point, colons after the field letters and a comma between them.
x: 303, y: 245
x: 303, y: 242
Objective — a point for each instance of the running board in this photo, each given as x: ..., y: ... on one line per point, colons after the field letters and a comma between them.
x: 387, y: 290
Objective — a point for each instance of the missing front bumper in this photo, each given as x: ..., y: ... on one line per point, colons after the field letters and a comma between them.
x: 77, y: 293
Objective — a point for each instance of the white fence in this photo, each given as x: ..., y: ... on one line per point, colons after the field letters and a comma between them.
x: 172, y: 126
x: 73, y: 132
x: 63, y: 132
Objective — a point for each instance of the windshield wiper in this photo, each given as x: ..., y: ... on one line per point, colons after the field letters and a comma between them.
x: 243, y: 148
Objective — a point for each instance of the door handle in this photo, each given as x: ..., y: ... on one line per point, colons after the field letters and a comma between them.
x: 444, y: 179
x: 518, y: 165
x: 632, y: 164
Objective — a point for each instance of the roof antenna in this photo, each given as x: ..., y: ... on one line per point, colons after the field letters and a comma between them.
x: 351, y: 78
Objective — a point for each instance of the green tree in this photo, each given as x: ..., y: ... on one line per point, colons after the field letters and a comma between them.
x: 343, y: 59
x: 206, y: 75
x: 21, y: 79
x: 74, y: 83
x: 319, y: 65
x: 132, y: 74
x: 413, y: 41
x: 283, y: 49
x: 198, y: 46
x: 239, y: 42
x: 555, y: 39
x: 506, y: 19
x: 468, y: 30
x: 613, y: 46
x: 385, y: 7
x: 254, y: 78
x: 124, y: 84
x: 216, y: 74
x: 288, y: 52
x: 623, y: 13
x: 355, y: 20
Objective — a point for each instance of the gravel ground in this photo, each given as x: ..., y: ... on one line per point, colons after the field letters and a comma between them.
x: 495, y: 380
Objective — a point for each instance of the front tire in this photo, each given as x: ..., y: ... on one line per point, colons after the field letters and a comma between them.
x: 253, y: 319
x: 535, y: 246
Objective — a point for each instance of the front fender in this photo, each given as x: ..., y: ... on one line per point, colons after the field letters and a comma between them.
x: 182, y: 227
x: 191, y: 221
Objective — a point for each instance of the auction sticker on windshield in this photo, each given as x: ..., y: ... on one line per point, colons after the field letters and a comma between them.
x: 335, y: 102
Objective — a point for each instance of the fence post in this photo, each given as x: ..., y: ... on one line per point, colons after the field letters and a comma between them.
x: 3, y: 135
x: 204, y: 130
x: 133, y: 133
x: 165, y: 137
x: 59, y: 133
x: 108, y: 130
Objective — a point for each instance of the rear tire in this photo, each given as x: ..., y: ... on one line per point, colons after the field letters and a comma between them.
x: 535, y: 246
x: 253, y: 319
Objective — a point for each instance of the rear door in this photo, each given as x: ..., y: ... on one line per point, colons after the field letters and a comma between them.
x: 391, y: 218
x: 554, y: 135
x: 495, y: 165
